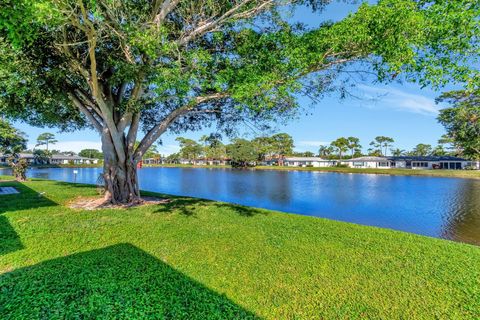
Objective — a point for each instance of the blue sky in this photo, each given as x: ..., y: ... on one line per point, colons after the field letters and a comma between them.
x: 404, y: 112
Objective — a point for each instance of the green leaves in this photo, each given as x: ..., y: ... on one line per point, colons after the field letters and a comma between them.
x: 257, y: 61
x: 12, y: 141
x: 462, y: 121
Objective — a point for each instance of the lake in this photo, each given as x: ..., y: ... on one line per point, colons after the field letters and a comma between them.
x: 446, y: 208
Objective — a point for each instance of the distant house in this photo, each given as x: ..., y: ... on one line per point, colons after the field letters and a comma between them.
x: 55, y: 159
x: 411, y: 162
x: 369, y: 162
x: 303, y: 162
x: 150, y: 161
x: 198, y: 162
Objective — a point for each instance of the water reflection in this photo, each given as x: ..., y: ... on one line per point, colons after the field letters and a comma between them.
x: 439, y: 207
x: 462, y: 221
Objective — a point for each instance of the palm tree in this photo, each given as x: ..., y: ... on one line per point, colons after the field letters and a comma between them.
x: 46, y: 138
x: 382, y: 142
x: 422, y: 149
x: 353, y: 144
x: 341, y: 145
x: 324, y: 151
x: 398, y: 152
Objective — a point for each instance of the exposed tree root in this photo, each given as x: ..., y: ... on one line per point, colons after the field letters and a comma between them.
x: 100, y: 203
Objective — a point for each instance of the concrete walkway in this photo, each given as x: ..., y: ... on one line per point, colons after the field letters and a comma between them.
x: 8, y: 190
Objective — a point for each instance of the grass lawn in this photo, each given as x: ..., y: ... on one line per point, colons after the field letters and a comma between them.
x: 197, y: 259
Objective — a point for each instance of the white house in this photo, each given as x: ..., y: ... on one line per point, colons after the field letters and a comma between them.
x: 411, y: 162
x: 369, y: 162
x: 308, y: 161
x: 431, y: 162
x: 55, y: 159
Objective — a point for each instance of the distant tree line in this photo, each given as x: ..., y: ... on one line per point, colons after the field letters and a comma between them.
x: 240, y: 152
x: 243, y: 152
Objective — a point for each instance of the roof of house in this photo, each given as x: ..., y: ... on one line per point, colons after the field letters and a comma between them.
x: 426, y: 158
x: 405, y: 158
x: 367, y: 159
x: 305, y: 159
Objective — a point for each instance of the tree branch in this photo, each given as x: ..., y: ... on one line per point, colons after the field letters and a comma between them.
x: 161, y: 127
x: 232, y: 13
x: 165, y: 8
x: 85, y: 111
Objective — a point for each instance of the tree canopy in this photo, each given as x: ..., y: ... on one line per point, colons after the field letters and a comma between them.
x: 90, y: 153
x: 12, y: 140
x: 169, y: 65
x: 46, y: 138
x: 462, y: 121
x: 189, y: 149
x: 242, y: 153
x: 381, y: 144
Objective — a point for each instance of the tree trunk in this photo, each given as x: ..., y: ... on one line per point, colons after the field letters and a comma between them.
x: 120, y: 177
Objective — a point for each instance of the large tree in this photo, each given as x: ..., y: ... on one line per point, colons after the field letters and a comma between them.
x: 462, y: 121
x: 242, y: 153
x: 157, y: 65
x: 190, y: 149
x: 281, y: 144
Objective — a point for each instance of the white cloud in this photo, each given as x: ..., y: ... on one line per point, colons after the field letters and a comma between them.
x: 75, y: 146
x: 400, y: 100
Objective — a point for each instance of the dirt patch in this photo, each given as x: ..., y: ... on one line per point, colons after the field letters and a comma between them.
x: 99, y: 203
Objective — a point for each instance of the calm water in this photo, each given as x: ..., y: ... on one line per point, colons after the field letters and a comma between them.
x: 439, y: 207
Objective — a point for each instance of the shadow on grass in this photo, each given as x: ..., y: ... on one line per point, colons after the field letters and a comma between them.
x: 120, y: 281
x: 188, y: 206
x: 26, y: 199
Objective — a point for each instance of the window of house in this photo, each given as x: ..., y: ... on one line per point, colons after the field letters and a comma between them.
x: 383, y: 164
x: 420, y: 164
x: 358, y: 164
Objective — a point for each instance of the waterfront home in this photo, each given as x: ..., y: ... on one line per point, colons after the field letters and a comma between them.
x: 411, y: 162
x: 54, y: 159
x: 308, y: 162
x: 150, y: 161
x: 199, y: 162
x: 369, y: 162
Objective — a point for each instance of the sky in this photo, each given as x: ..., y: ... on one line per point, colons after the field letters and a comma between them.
x: 403, y: 111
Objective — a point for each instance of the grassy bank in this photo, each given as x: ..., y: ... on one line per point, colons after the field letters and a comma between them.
x: 473, y: 174
x: 197, y: 259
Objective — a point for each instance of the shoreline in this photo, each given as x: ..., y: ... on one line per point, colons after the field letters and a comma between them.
x: 464, y: 174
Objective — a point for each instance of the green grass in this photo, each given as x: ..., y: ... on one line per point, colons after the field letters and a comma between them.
x: 197, y: 259
x: 472, y: 174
